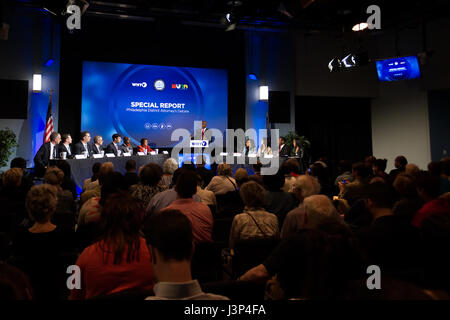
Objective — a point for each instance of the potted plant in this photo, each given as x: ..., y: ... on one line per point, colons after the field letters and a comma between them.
x: 7, y: 144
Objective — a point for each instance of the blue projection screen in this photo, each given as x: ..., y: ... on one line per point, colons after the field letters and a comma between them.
x: 145, y: 101
x: 396, y: 69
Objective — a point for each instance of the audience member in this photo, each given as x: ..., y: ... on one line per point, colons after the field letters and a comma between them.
x: 171, y: 245
x: 169, y: 167
x: 240, y: 176
x: 27, y: 178
x: 223, y: 182
x: 149, y: 185
x: 208, y: 197
x: 254, y: 222
x: 320, y: 171
x: 400, y: 164
x: 409, y: 201
x: 389, y: 242
x: 110, y: 182
x: 198, y: 213
x: 68, y: 183
x: 412, y: 169
x: 120, y: 260
x: 89, y: 182
x: 64, y: 215
x: 312, y: 264
x: 277, y: 201
x: 428, y: 188
x: 14, y: 284
x: 12, y: 200
x: 130, y: 177
x: 291, y: 169
x: 344, y: 171
x: 94, y: 191
x: 379, y: 168
x: 257, y: 177
x: 304, y: 186
x: 39, y: 251
x: 164, y: 199
x: 205, y: 173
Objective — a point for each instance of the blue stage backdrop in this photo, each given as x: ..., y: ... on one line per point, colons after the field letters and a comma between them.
x: 151, y: 101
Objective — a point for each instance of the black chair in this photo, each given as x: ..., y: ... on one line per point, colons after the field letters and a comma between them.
x: 206, y: 264
x: 221, y: 231
x: 251, y: 252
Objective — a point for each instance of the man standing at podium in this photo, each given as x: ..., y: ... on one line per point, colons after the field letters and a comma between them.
x: 204, y: 133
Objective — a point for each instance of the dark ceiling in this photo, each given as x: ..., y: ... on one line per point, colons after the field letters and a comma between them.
x: 308, y: 15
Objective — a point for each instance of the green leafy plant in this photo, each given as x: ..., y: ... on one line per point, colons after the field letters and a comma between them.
x: 294, y: 135
x: 7, y: 144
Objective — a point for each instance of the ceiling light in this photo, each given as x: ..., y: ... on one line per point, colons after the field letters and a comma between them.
x: 360, y: 26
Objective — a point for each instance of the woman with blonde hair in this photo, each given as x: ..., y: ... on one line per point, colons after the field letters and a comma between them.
x: 223, y: 182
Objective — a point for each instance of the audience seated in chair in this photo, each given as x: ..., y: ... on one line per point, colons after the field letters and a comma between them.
x: 223, y: 182
x: 163, y: 199
x: 64, y: 215
x: 92, y: 182
x: 169, y: 167
x: 96, y: 188
x: 254, y: 222
x: 149, y: 184
x: 131, y: 177
x: 39, y: 251
x: 171, y: 244
x: 197, y: 212
x: 304, y: 187
x: 277, y: 201
x: 312, y: 264
x: 120, y: 259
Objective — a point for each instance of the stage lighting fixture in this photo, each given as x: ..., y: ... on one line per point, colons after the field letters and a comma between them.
x: 253, y: 76
x: 263, y: 93
x: 37, y: 82
x: 349, y: 61
x: 360, y: 26
x: 334, y: 65
x: 49, y: 62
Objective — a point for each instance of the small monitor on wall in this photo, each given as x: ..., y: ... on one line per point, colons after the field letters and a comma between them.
x: 396, y: 69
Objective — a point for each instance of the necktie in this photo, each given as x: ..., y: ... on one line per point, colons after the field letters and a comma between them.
x: 203, y: 132
x: 54, y: 152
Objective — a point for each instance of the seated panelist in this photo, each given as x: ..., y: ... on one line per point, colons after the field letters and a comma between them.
x: 144, y: 146
x: 126, y: 147
x: 64, y: 146
x: 114, y: 146
x: 83, y: 145
x: 97, y: 146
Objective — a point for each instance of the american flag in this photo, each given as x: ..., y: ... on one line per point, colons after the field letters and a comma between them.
x: 49, y: 123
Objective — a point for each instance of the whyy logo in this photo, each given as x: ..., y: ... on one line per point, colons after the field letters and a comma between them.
x: 142, y: 85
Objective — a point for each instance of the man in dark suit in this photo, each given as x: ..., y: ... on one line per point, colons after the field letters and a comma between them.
x: 114, y: 146
x: 97, y: 146
x: 64, y: 146
x: 283, y: 149
x: 48, y: 151
x: 83, y: 145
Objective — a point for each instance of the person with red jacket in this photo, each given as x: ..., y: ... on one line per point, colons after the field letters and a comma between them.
x: 144, y: 146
